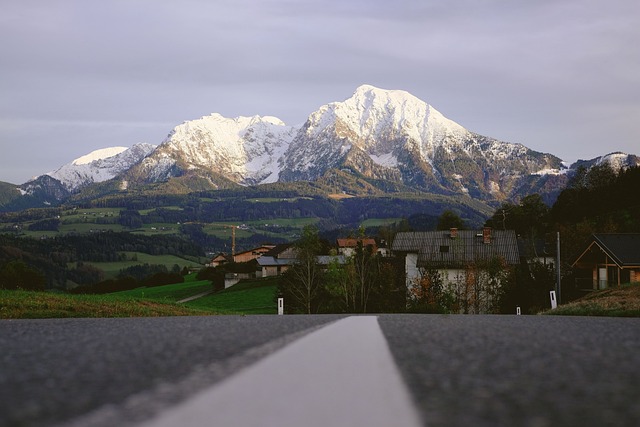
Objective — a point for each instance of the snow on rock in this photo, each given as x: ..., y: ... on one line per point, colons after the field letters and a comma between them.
x: 100, y: 165
x: 246, y: 149
x: 375, y: 119
x: 393, y: 127
x: 618, y: 160
x: 101, y: 154
x: 388, y: 160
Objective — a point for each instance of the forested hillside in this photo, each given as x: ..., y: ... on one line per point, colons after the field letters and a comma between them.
x: 598, y: 200
x: 50, y: 263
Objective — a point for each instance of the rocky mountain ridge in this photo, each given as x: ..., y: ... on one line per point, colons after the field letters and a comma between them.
x: 377, y: 139
x: 100, y: 165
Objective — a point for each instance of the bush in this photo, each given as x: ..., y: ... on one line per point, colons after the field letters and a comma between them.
x: 18, y: 275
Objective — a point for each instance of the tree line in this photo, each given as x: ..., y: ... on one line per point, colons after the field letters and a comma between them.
x: 62, y: 258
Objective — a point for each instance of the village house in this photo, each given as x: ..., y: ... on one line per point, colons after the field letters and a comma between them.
x: 245, y: 256
x: 608, y: 260
x: 347, y: 247
x: 220, y: 259
x: 459, y: 257
x: 277, y: 260
x: 251, y: 254
x: 282, y: 257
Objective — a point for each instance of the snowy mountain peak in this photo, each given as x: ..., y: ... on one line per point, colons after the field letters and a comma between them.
x: 372, y: 113
x: 100, y: 165
x: 384, y: 125
x: 371, y: 93
x: 616, y: 161
x: 245, y: 149
x: 393, y: 135
x: 103, y: 153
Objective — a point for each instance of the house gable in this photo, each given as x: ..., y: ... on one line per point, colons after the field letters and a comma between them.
x: 624, y: 249
x: 610, y: 259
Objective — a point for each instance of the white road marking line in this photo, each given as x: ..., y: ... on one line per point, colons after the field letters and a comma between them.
x: 340, y: 375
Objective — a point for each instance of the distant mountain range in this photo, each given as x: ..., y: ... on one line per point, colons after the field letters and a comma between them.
x: 375, y: 142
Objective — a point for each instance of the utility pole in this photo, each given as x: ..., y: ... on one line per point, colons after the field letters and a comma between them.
x: 558, y: 287
x: 233, y: 240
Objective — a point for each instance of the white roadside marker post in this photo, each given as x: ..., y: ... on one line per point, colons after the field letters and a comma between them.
x: 518, y: 311
x: 280, y: 306
x: 554, y: 303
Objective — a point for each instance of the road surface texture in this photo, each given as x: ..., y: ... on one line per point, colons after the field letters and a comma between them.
x: 387, y: 370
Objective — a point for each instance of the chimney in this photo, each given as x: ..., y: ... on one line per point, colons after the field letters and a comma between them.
x: 486, y: 235
x: 454, y: 233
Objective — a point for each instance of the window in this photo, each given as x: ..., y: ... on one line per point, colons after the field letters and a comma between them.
x: 444, y: 249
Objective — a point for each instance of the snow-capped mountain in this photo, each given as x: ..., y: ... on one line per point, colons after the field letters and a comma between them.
x: 616, y: 160
x: 245, y: 150
x: 100, y: 165
x: 375, y: 140
x: 385, y: 134
x: 375, y: 134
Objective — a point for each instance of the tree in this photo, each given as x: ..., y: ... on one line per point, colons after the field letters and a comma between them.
x: 18, y: 275
x: 130, y: 218
x: 366, y: 271
x: 481, y: 285
x: 430, y: 295
x: 450, y: 219
x: 301, y: 284
x: 529, y: 218
x: 340, y: 286
x: 527, y: 287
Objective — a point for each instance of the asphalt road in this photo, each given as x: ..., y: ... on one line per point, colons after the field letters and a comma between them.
x: 459, y: 370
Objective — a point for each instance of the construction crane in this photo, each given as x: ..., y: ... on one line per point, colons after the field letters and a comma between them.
x: 233, y: 232
x: 233, y: 236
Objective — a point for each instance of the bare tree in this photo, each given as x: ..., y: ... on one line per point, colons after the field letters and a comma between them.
x: 302, y: 282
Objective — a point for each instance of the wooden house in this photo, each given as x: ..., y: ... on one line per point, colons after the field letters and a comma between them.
x: 609, y: 260
x: 277, y: 260
x: 220, y: 259
x: 251, y: 254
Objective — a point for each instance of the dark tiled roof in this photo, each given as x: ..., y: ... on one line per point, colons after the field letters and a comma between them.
x: 623, y: 248
x: 439, y: 249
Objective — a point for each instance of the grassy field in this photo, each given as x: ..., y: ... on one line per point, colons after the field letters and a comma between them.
x: 86, y: 221
x: 111, y: 269
x: 44, y: 305
x: 379, y: 222
x: 614, y: 302
x: 247, y: 297
x: 170, y: 293
x: 154, y: 229
x: 76, y: 214
x: 168, y: 208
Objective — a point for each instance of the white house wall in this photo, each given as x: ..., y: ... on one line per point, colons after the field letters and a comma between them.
x: 411, y: 268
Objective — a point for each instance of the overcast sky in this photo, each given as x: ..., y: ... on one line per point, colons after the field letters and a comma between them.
x: 560, y: 76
